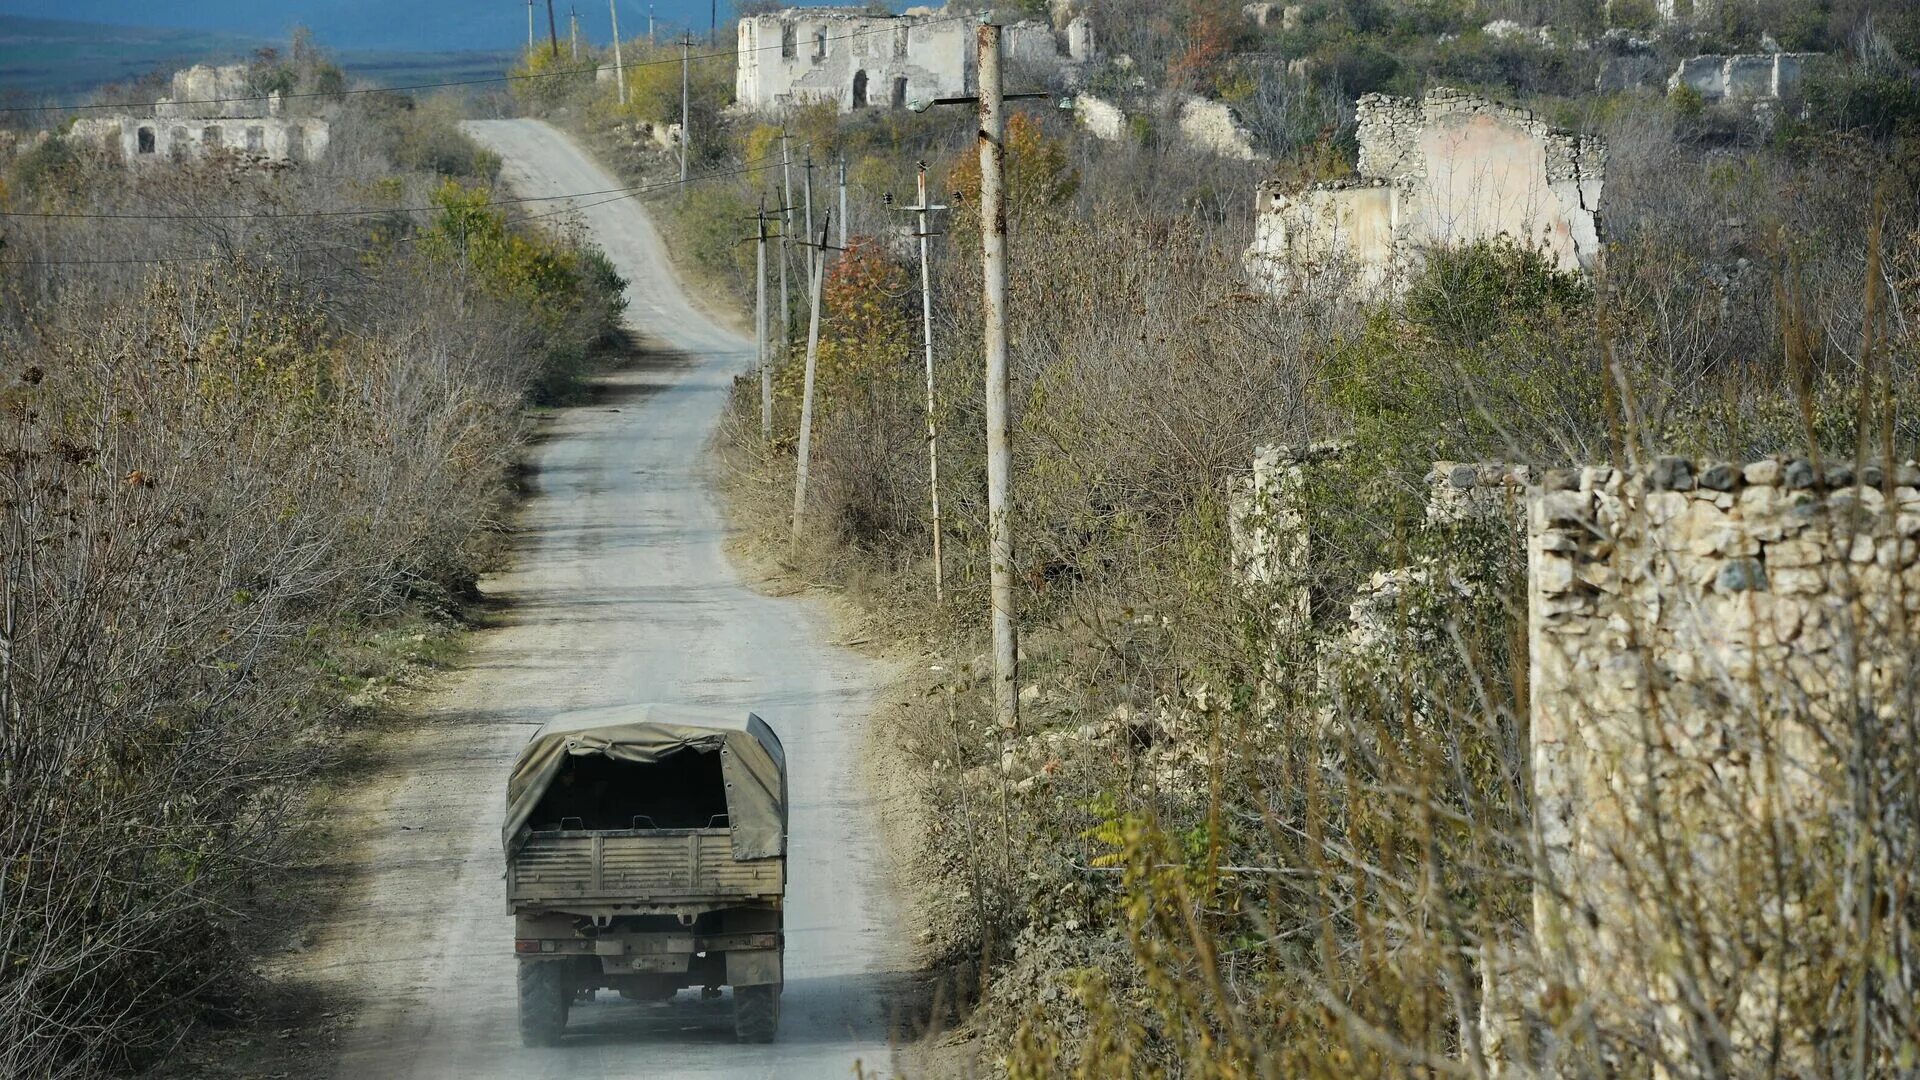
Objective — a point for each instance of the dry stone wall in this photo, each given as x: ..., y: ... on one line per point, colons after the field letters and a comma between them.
x: 1708, y: 643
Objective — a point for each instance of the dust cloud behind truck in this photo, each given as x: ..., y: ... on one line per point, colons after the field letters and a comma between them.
x: 646, y: 853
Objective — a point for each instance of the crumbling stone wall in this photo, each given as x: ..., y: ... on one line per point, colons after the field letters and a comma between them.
x: 1449, y: 169
x: 859, y: 61
x: 137, y: 140
x: 1758, y: 77
x: 1706, y: 642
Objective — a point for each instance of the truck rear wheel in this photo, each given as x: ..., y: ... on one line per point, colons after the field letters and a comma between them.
x: 544, y: 997
x: 756, y: 1013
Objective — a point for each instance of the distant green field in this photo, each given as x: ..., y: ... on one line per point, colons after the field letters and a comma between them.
x: 57, y: 60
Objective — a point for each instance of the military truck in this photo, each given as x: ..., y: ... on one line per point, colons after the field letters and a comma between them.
x: 646, y: 853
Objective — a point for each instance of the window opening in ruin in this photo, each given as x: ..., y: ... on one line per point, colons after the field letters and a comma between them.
x: 685, y: 790
x: 177, y: 143
x: 256, y: 138
x: 210, y: 138
x: 859, y: 89
x: 145, y: 137
x: 900, y: 92
x: 900, y: 43
x: 789, y: 41
x: 819, y: 45
x: 296, y: 143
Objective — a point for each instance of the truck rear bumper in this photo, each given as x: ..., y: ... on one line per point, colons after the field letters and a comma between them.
x: 758, y: 953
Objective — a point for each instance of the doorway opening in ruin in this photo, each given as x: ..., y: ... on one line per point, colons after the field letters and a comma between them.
x: 210, y: 137
x: 859, y: 89
x: 900, y: 92
x: 145, y: 138
x: 789, y: 41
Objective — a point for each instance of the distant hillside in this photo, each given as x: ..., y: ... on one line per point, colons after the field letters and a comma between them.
x: 63, y: 58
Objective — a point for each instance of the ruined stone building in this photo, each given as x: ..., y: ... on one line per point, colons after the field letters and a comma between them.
x: 1754, y: 77
x: 860, y: 61
x: 1449, y: 169
x: 211, y: 110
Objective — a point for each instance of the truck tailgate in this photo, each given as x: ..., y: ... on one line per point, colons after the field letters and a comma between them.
x: 637, y: 866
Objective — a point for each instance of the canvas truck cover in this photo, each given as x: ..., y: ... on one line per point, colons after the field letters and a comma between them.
x: 752, y: 763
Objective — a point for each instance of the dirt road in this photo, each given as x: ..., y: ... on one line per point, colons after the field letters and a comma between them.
x: 620, y: 593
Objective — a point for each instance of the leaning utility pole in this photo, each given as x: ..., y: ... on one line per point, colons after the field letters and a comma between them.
x: 924, y: 210
x: 993, y: 250
x: 843, y: 200
x: 619, y: 66
x: 553, y: 31
x: 806, y: 387
x: 760, y: 328
x: 686, y: 42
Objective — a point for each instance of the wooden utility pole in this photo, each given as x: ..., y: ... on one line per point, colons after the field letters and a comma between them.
x: 553, y: 31
x: 924, y: 209
x: 806, y: 389
x: 760, y: 328
x: 843, y: 201
x: 573, y: 32
x: 619, y: 66
x: 686, y: 43
x: 993, y: 250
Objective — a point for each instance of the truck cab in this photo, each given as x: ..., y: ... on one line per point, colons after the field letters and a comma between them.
x: 646, y: 853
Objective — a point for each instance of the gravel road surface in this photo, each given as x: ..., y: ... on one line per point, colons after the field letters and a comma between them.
x: 620, y: 593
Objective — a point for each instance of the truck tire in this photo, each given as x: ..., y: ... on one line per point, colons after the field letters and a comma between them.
x: 544, y: 998
x: 756, y: 1013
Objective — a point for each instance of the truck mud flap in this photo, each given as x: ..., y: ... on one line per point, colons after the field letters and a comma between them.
x: 753, y: 967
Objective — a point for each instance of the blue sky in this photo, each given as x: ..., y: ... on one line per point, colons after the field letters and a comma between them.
x: 376, y: 24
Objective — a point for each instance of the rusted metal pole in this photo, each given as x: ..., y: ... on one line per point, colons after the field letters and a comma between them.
x: 993, y: 249
x: 806, y: 389
x: 760, y: 328
x: 933, y: 428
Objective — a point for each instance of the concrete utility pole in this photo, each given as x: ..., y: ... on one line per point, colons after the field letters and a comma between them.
x: 686, y: 43
x: 573, y: 32
x: 529, y: 27
x: 924, y: 209
x: 553, y: 31
x: 649, y: 25
x: 993, y: 250
x: 619, y: 66
x: 760, y: 328
x: 786, y: 230
x: 806, y: 388
x: 843, y: 201
x: 809, y: 174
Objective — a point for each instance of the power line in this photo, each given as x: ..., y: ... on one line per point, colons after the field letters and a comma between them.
x: 624, y: 193
x: 489, y: 80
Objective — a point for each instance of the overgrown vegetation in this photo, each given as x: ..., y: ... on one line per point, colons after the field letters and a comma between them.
x: 244, y: 428
x: 1229, y: 837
